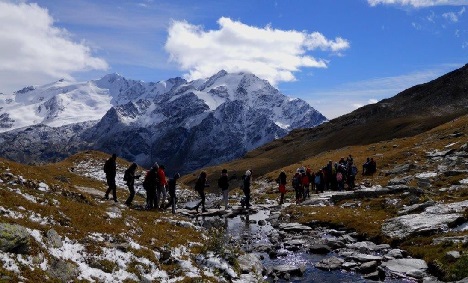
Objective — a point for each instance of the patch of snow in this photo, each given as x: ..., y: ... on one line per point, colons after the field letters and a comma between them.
x: 426, y: 175
x: 10, y: 213
x: 43, y: 187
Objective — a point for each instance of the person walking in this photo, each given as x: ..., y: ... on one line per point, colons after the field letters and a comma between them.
x: 246, y: 188
x: 281, y: 180
x: 172, y: 192
x: 200, y: 185
x: 110, y: 169
x: 223, y: 184
x: 161, y: 188
x: 129, y: 177
x: 149, y: 184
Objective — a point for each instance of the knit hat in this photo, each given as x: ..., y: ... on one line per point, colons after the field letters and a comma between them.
x: 247, y: 173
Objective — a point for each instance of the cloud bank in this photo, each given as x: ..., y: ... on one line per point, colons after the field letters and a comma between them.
x: 419, y: 3
x: 34, y: 51
x: 269, y: 53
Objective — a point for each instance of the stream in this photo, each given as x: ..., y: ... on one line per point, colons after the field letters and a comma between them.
x: 253, y: 230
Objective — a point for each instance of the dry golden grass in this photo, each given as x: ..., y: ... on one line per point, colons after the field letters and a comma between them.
x: 74, y: 214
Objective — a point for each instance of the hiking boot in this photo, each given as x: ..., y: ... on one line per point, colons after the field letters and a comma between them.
x: 106, y: 197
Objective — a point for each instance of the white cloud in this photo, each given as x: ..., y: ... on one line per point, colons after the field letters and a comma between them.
x: 34, y: 51
x: 419, y: 3
x: 454, y: 16
x: 269, y: 53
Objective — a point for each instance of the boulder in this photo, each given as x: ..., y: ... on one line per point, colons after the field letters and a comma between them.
x: 53, y: 238
x: 250, y: 263
x: 319, y: 249
x: 63, y: 270
x: 14, y: 238
x: 368, y: 267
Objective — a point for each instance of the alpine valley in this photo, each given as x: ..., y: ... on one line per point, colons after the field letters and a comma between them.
x: 184, y: 125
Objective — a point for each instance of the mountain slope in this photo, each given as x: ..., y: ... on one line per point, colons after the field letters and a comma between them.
x: 184, y: 125
x: 410, y: 112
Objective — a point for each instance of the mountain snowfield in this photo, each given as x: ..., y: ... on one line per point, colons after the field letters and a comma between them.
x: 172, y: 121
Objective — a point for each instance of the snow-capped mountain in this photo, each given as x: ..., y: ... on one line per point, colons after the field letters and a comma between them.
x: 184, y: 125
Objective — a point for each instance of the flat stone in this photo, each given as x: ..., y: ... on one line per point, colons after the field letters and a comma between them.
x: 406, y: 267
x: 294, y: 227
x: 435, y: 218
x: 330, y: 263
x: 415, y: 208
x: 286, y: 269
x: 365, y: 257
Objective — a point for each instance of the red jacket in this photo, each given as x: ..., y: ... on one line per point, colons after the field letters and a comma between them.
x: 162, y: 177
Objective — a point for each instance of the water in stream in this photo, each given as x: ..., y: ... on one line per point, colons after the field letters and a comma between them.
x: 246, y: 230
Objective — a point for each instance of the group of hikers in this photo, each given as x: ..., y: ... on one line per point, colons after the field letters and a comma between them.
x: 157, y: 186
x: 332, y: 176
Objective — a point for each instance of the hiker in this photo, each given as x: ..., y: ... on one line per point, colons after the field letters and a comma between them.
x: 311, y: 176
x: 149, y: 184
x: 328, y: 175
x: 223, y: 184
x: 318, y: 180
x: 305, y: 184
x: 172, y: 193
x: 200, y: 185
x: 161, y: 189
x: 247, y: 179
x: 340, y: 177
x: 351, y: 175
x: 372, y: 166
x: 110, y: 168
x: 297, y: 186
x: 281, y: 180
x: 129, y: 177
x: 365, y: 167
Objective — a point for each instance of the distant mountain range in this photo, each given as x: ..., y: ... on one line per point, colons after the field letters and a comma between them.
x: 184, y: 125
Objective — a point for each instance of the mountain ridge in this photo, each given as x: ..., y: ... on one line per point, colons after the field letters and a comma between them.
x: 173, y: 122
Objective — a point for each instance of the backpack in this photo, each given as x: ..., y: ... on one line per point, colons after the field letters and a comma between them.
x: 106, y: 167
x: 295, y: 182
x: 317, y: 180
x: 339, y: 176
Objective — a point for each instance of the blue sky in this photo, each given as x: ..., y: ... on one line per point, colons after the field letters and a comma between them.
x: 335, y: 54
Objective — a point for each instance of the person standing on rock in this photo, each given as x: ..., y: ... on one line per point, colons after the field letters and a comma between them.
x: 149, y: 184
x: 246, y: 188
x: 223, y: 184
x: 161, y: 188
x: 110, y: 169
x: 129, y: 177
x: 200, y: 185
x: 281, y: 180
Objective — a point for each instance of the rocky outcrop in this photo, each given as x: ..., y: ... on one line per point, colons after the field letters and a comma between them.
x: 14, y: 238
x: 435, y: 218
